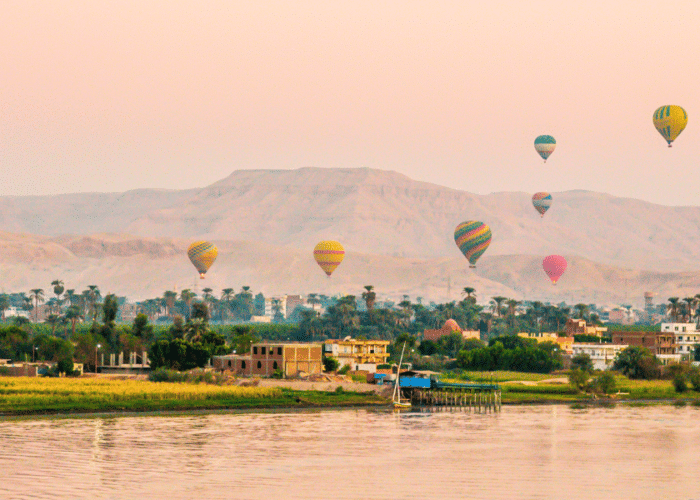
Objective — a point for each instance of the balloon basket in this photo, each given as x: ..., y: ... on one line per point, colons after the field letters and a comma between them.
x: 472, y: 267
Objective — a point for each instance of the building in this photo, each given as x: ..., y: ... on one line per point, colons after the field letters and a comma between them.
x: 271, y: 303
x: 580, y: 327
x: 293, y: 301
x: 661, y: 344
x: 540, y: 336
x: 686, y: 337
x: 448, y: 328
x: 292, y: 359
x: 358, y: 354
x: 602, y: 355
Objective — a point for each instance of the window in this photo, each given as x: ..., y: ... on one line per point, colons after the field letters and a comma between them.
x: 279, y: 351
x: 255, y: 350
x: 274, y: 365
x: 683, y: 328
x: 242, y: 365
x: 262, y: 350
x: 259, y: 364
x: 229, y: 363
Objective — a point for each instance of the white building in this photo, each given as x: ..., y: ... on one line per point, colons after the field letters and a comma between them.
x: 686, y: 336
x: 602, y: 355
x: 13, y: 311
x: 269, y: 306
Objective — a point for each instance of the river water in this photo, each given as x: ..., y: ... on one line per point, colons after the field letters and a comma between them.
x: 523, y: 452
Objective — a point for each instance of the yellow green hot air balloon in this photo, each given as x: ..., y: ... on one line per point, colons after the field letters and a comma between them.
x: 670, y: 122
x: 202, y: 254
x: 472, y: 238
x: 328, y: 255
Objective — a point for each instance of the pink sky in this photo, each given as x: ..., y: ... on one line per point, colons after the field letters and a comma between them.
x: 110, y: 96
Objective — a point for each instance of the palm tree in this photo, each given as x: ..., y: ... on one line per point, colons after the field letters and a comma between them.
x: 673, y: 308
x: 690, y: 303
x: 187, y: 296
x: 470, y: 293
x: 57, y: 288
x: 169, y: 299
x: 369, y: 297
x: 52, y: 319
x: 195, y: 329
x: 71, y: 296
x: 73, y: 314
x: 581, y: 311
x: 511, y: 306
x: 4, y: 304
x: 38, y: 295
x: 498, y: 302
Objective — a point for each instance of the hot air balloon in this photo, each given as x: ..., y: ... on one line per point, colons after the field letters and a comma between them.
x: 545, y: 144
x: 202, y: 254
x: 554, y: 266
x: 328, y: 255
x: 472, y: 238
x: 670, y: 122
x: 541, y: 201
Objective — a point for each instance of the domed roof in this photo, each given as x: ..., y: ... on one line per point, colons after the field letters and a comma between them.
x: 452, y: 325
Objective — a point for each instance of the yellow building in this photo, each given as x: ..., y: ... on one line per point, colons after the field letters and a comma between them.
x: 539, y: 336
x: 359, y: 354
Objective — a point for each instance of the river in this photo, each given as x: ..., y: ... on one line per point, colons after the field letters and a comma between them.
x: 523, y: 452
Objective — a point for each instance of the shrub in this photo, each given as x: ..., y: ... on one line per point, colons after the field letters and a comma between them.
x: 638, y: 363
x: 680, y: 384
x: 582, y: 362
x: 65, y: 365
x: 383, y: 366
x: 578, y: 378
x: 339, y: 389
x: 344, y: 370
x: 694, y: 377
x: 604, y: 383
x: 330, y: 364
x: 278, y: 374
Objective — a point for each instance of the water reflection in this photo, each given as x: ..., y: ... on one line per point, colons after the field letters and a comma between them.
x: 522, y: 452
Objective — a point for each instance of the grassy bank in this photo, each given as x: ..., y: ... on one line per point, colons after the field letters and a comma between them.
x: 26, y: 396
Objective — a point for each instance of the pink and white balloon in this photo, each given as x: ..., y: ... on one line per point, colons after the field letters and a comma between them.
x: 554, y: 266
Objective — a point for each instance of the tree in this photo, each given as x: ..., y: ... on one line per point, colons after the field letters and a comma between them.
x: 169, y: 298
x: 38, y: 296
x: 187, y: 296
x: 141, y: 328
x: 178, y: 354
x: 498, y: 304
x: 578, y: 378
x: 511, y: 306
x: 470, y: 294
x: 259, y: 304
x: 637, y: 363
x: 330, y: 364
x: 605, y: 383
x: 277, y: 315
x: 243, y: 337
x: 582, y: 362
x: 4, y: 305
x: 200, y: 311
x: 369, y: 297
x: 581, y: 311
x: 689, y: 305
x: 110, y: 308
x: 673, y: 308
x: 57, y: 288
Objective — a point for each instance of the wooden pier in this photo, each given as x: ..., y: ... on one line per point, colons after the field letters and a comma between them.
x: 479, y: 397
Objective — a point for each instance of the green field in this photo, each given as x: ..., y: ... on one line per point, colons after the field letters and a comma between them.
x: 26, y: 396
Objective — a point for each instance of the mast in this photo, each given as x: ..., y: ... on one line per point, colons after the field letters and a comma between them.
x: 397, y: 389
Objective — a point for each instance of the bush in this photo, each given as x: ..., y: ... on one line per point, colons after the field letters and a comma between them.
x: 330, y: 364
x: 604, y: 383
x: 578, y: 379
x: 383, y: 366
x: 65, y: 365
x: 344, y: 370
x: 694, y: 377
x: 164, y: 375
x: 680, y: 384
x: 582, y: 362
x: 278, y: 374
x: 638, y: 363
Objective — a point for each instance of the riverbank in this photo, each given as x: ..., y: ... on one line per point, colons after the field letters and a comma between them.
x: 42, y: 396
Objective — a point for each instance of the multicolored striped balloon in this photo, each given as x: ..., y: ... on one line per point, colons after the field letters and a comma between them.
x: 541, y: 201
x: 544, y: 145
x: 473, y: 238
x: 202, y: 254
x: 670, y: 122
x: 328, y: 255
x: 554, y: 266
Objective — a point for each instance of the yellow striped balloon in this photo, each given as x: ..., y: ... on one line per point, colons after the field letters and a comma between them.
x: 328, y: 255
x: 670, y: 122
x: 202, y: 254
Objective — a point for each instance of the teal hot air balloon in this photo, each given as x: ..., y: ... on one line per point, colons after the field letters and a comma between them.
x: 542, y: 201
x: 472, y: 238
x: 544, y: 145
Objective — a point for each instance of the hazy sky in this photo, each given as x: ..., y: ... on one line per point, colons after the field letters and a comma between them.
x: 110, y: 96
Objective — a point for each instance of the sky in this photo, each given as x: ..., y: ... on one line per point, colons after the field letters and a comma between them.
x: 112, y: 96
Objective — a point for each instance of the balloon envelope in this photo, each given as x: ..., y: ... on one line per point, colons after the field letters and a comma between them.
x: 328, y: 255
x: 542, y: 201
x: 202, y: 254
x: 554, y: 266
x: 472, y: 238
x: 670, y: 122
x: 545, y: 144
